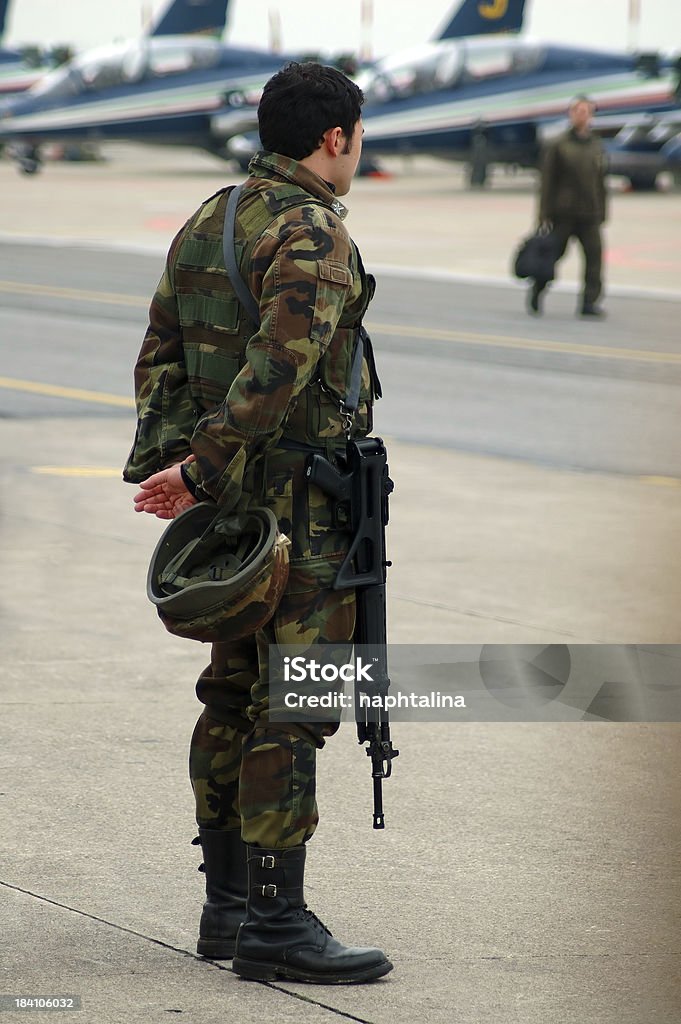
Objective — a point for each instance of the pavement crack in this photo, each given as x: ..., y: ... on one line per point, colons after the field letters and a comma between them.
x: 183, y: 952
x: 315, y: 1002
x: 103, y: 920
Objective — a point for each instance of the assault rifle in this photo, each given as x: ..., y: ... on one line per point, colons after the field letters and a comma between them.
x: 361, y: 492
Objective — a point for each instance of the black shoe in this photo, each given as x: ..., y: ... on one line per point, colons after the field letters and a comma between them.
x: 225, y: 865
x: 533, y: 305
x: 590, y: 309
x: 281, y: 938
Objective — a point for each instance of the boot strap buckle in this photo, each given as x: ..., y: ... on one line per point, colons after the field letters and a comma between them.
x: 269, y: 890
x: 268, y: 862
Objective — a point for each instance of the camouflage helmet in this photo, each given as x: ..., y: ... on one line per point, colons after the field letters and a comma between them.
x: 210, y: 582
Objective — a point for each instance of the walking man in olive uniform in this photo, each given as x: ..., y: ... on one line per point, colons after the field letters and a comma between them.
x: 228, y: 411
x: 573, y: 201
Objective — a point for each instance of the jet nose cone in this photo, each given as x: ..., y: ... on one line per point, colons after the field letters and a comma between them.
x: 11, y: 108
x: 8, y: 105
x: 7, y: 120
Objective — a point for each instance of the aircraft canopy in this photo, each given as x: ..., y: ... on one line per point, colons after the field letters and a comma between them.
x: 127, y: 63
x: 443, y: 65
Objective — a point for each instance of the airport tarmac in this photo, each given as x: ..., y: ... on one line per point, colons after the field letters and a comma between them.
x: 422, y: 216
x: 528, y: 873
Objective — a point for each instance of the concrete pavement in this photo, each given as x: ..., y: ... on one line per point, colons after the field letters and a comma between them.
x: 422, y: 217
x: 527, y: 875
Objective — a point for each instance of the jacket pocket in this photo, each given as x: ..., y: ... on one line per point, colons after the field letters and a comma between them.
x: 210, y: 371
x: 215, y: 312
x: 334, y: 281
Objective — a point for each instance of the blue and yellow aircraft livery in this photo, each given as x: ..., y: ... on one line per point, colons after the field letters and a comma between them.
x: 484, y: 17
x: 482, y: 100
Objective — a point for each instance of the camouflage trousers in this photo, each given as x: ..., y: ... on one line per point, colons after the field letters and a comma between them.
x: 246, y: 771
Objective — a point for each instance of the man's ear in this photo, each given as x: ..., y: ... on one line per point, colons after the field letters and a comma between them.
x: 333, y: 141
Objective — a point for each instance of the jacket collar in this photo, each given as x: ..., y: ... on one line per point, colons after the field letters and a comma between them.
x: 264, y: 165
x: 580, y: 138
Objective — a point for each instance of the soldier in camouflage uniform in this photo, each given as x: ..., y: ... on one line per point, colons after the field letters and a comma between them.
x: 230, y: 412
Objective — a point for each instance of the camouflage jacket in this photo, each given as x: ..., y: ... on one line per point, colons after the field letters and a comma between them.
x: 206, y: 380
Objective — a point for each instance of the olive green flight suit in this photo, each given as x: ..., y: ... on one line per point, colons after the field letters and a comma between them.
x: 573, y: 198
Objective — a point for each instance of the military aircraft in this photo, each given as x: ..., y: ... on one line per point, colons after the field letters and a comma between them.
x: 161, y: 89
x: 644, y: 145
x: 487, y: 101
x: 20, y: 69
x: 484, y: 101
x: 494, y: 101
x: 178, y: 91
x: 479, y: 100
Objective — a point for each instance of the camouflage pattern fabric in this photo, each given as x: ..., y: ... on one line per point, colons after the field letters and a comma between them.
x: 245, y: 770
x: 264, y: 785
x: 241, y: 400
x: 205, y: 383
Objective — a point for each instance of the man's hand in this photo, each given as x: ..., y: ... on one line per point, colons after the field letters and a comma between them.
x: 165, y: 494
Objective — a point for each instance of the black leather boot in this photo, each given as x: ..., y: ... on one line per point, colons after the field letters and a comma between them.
x: 224, y: 862
x: 533, y: 297
x: 591, y: 309
x: 282, y: 938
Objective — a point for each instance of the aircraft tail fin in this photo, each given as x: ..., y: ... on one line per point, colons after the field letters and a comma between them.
x: 4, y: 4
x: 484, y: 17
x: 187, y: 17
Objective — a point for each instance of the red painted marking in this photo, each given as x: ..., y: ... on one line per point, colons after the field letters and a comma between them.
x: 164, y: 223
x: 641, y: 256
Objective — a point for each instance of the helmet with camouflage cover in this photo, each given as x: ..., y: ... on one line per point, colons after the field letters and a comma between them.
x: 211, y: 583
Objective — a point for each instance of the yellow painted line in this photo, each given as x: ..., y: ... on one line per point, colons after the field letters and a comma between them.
x: 406, y: 331
x: 661, y: 481
x: 53, y: 292
x: 98, y: 471
x: 56, y: 391
x: 529, y: 344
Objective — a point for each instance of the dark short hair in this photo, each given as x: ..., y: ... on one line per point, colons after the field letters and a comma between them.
x: 302, y: 102
x: 582, y: 98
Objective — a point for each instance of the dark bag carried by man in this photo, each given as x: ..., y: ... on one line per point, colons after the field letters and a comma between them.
x: 536, y: 256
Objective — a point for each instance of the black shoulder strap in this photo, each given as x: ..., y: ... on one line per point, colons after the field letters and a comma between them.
x: 242, y: 290
x: 247, y: 300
